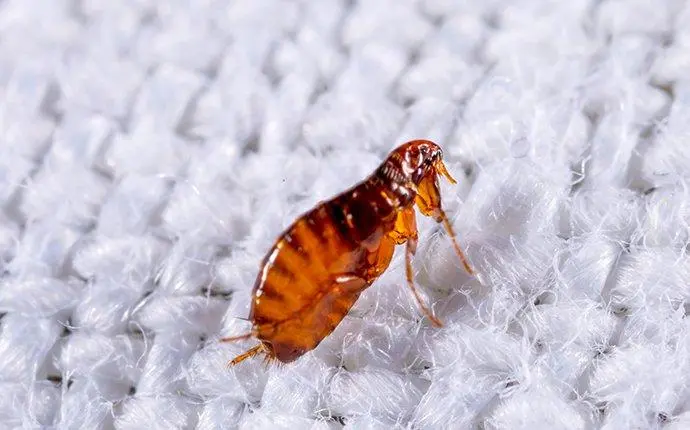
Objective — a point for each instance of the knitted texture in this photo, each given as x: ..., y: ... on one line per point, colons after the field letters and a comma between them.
x: 152, y: 151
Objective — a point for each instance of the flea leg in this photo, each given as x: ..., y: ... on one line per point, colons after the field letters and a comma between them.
x: 303, y: 331
x: 410, y: 282
x: 258, y: 349
x: 429, y: 203
x: 236, y: 338
x: 456, y: 246
x: 335, y: 304
x: 406, y: 228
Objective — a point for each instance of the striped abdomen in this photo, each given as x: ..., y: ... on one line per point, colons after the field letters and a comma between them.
x: 318, y: 267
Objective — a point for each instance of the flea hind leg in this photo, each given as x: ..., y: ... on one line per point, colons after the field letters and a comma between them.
x: 293, y: 337
x: 336, y: 303
x: 258, y: 349
x: 406, y: 230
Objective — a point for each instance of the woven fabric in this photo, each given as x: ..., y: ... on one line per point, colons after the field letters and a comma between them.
x: 151, y: 152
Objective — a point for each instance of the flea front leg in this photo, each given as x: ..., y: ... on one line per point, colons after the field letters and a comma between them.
x: 429, y: 202
x: 406, y: 231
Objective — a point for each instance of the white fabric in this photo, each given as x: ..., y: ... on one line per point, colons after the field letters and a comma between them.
x: 150, y: 153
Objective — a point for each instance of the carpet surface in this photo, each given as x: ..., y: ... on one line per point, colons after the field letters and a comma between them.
x: 150, y: 153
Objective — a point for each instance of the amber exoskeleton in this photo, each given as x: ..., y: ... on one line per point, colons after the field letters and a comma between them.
x: 320, y: 265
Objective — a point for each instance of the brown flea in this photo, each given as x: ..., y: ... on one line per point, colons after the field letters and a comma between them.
x: 320, y: 265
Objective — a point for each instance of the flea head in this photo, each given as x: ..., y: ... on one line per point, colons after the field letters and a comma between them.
x: 422, y: 158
